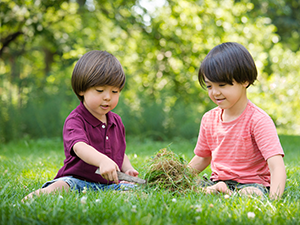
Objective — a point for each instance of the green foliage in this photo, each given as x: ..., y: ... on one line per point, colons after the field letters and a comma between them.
x: 26, y: 164
x: 160, y: 49
x: 284, y: 15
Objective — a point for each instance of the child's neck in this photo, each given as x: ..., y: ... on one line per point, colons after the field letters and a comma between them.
x: 234, y: 112
x: 103, y: 119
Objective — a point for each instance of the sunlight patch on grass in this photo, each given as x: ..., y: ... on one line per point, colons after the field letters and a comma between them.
x: 34, y: 174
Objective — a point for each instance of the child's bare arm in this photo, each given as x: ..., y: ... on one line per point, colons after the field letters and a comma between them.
x: 199, y: 163
x: 128, y: 168
x: 107, y: 167
x: 278, y: 176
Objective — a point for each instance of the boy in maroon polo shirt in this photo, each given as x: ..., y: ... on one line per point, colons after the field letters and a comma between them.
x: 93, y: 136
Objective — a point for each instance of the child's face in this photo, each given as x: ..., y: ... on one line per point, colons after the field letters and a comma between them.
x: 227, y: 96
x: 100, y: 100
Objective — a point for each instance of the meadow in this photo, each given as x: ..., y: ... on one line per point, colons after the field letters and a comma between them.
x: 26, y: 164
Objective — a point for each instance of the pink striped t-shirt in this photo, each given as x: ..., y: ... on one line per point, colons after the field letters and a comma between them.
x: 239, y: 148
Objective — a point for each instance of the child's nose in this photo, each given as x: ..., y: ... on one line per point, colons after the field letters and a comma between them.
x: 216, y: 91
x: 106, y: 96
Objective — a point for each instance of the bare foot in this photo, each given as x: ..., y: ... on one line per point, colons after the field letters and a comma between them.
x: 56, y: 186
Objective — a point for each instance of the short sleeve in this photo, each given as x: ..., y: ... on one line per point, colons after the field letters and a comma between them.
x: 73, y: 132
x: 266, y: 138
x: 202, y: 147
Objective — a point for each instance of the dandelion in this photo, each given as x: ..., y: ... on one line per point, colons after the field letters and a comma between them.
x: 83, y: 200
x: 250, y: 215
x: 61, y: 197
x: 198, y: 208
x: 133, y: 209
x: 135, y: 156
x: 174, y: 200
x: 226, y: 196
x: 84, y: 190
x: 98, y: 200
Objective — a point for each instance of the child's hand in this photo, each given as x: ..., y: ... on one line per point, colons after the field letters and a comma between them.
x: 219, y: 187
x: 132, y: 172
x: 108, y: 170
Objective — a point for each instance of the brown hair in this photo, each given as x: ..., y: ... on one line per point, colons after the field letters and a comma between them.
x: 228, y: 62
x: 97, y: 68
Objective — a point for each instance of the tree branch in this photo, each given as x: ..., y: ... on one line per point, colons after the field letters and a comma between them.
x: 9, y: 39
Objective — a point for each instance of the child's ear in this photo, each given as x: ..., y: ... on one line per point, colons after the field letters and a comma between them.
x: 246, y: 84
x: 81, y: 93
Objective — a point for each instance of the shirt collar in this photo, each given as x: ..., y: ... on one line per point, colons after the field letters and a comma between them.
x: 93, y: 120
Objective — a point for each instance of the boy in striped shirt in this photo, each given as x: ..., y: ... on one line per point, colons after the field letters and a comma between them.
x: 237, y: 138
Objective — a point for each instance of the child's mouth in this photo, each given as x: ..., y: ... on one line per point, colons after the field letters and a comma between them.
x: 220, y: 100
x: 104, y: 106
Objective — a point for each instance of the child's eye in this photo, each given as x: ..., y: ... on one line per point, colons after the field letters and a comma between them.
x: 99, y: 90
x: 114, y: 92
x: 208, y: 87
x: 222, y: 85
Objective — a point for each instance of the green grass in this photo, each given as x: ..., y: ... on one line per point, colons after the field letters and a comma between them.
x: 26, y: 164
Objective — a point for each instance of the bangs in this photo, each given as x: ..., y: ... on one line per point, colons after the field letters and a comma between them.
x: 215, y: 71
x: 106, y: 74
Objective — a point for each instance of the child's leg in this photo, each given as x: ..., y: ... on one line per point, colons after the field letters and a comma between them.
x: 56, y: 186
x: 216, y: 188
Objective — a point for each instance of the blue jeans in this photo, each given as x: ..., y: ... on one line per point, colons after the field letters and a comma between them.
x: 78, y: 185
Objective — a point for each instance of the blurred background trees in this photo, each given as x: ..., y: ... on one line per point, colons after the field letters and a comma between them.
x: 160, y: 45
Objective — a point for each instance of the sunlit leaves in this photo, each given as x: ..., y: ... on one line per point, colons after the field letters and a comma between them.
x: 160, y: 47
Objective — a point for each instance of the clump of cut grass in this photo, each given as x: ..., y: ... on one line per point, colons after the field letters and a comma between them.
x: 168, y: 171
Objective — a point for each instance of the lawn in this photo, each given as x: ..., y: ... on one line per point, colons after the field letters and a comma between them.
x: 26, y: 164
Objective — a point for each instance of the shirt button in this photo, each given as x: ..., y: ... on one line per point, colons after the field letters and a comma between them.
x: 106, y: 137
x: 103, y: 126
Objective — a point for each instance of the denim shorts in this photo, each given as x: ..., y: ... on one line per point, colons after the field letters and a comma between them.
x: 234, y: 185
x: 78, y: 185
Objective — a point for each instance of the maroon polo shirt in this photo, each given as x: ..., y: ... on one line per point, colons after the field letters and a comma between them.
x: 82, y: 126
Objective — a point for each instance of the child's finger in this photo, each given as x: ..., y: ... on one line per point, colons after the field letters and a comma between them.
x: 115, y: 178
